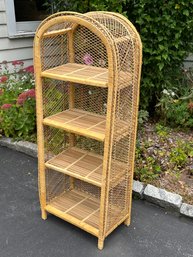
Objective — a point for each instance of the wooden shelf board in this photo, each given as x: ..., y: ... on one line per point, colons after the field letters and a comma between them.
x: 84, y: 165
x: 79, y: 164
x: 80, y: 122
x: 78, y: 208
x: 79, y: 73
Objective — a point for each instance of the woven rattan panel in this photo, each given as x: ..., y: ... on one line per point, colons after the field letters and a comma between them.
x: 56, y: 184
x: 124, y: 110
x: 87, y: 98
x: 55, y: 97
x: 54, y: 52
x: 57, y: 140
x: 91, y: 99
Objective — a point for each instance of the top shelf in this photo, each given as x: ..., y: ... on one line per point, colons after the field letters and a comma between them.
x: 79, y: 73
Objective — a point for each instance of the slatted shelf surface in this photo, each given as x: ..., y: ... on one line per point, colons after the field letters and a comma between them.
x: 80, y: 122
x: 79, y: 73
x: 84, y: 123
x: 84, y: 165
x: 79, y: 164
x: 77, y: 208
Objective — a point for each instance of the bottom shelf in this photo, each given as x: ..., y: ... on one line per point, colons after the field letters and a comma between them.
x: 77, y: 208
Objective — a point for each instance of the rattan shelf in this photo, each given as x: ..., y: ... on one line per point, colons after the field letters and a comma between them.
x: 88, y: 69
x: 83, y: 165
x: 80, y: 209
x: 79, y: 73
x: 79, y: 122
x: 84, y: 123
x: 77, y: 208
x: 79, y: 164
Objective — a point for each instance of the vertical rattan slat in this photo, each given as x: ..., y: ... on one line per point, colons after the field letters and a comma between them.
x: 71, y: 50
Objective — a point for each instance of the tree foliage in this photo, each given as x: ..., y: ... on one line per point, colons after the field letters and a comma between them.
x: 166, y: 30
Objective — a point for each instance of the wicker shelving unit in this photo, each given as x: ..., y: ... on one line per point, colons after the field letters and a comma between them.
x: 87, y: 69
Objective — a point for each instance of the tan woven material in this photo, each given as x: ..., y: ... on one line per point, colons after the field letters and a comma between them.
x: 88, y: 69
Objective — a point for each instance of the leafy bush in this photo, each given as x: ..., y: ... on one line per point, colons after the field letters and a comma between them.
x: 147, y: 167
x: 85, y: 5
x: 142, y: 117
x: 166, y: 30
x: 17, y: 101
x: 176, y: 106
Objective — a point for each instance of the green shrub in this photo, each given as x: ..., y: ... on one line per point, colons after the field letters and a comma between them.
x: 17, y: 102
x: 142, y: 117
x: 166, y: 30
x: 147, y: 167
x: 180, y: 154
x: 86, y: 5
x: 175, y: 107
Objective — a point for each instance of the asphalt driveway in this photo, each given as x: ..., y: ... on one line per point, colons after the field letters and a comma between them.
x: 153, y: 232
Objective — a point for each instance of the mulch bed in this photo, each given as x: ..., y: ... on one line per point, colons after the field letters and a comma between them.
x: 172, y: 151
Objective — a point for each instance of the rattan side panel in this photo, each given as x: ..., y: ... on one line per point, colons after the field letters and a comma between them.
x: 123, y: 143
x: 121, y: 148
x: 54, y: 51
x: 91, y: 99
x: 55, y: 141
x: 124, y: 109
x: 87, y: 188
x: 55, y: 96
x: 56, y: 184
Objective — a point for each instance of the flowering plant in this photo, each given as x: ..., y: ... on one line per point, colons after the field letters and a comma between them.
x: 175, y: 107
x: 17, y: 101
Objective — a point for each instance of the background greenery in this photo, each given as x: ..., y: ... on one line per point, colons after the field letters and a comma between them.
x: 17, y: 102
x: 166, y: 30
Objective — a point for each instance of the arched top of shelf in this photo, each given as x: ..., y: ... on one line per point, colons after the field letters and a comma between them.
x: 72, y: 20
x: 112, y: 28
x: 128, y: 28
x: 117, y: 34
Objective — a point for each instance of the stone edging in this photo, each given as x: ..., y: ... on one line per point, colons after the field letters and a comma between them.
x: 162, y: 198
x: 148, y: 192
x: 20, y: 146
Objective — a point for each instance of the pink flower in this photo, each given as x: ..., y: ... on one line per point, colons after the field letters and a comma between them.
x: 31, y: 93
x: 6, y: 106
x: 3, y: 79
x: 21, y: 98
x: 29, y: 69
x: 88, y: 60
x: 17, y: 62
x: 20, y: 101
x: 25, y: 95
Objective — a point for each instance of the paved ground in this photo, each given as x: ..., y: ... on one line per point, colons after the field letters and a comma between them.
x: 153, y: 232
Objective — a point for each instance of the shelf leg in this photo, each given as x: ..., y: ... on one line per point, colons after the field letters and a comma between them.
x: 100, y: 243
x: 127, y: 222
x: 44, y: 214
